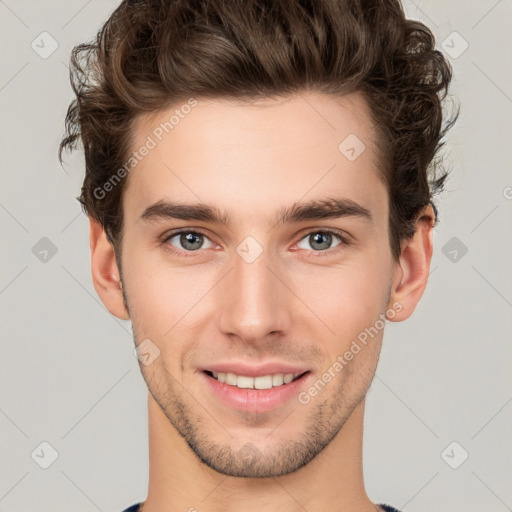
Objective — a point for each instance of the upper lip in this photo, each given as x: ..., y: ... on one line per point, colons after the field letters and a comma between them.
x: 240, y: 368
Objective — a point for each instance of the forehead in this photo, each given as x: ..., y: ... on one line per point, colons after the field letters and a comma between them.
x: 254, y: 158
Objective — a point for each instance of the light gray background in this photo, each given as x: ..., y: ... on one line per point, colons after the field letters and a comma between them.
x: 69, y: 376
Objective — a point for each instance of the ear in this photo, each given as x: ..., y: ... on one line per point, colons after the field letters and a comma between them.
x: 411, y: 272
x: 105, y: 274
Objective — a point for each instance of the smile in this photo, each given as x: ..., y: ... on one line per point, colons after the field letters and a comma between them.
x: 262, y: 382
x: 259, y: 394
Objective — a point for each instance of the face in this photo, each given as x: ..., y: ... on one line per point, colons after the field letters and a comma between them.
x: 267, y: 288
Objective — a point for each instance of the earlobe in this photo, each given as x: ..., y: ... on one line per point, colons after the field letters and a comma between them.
x: 105, y: 274
x: 411, y: 271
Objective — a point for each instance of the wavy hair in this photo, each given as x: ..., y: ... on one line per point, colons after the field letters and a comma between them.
x: 151, y: 54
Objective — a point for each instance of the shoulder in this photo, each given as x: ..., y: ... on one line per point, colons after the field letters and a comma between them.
x: 135, y: 508
x: 388, y: 508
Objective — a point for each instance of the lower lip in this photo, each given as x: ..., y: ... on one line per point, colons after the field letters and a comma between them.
x: 255, y: 400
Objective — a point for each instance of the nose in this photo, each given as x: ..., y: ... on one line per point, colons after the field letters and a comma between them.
x: 254, y: 301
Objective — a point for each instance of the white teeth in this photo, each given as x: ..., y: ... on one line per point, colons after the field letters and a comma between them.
x: 288, y: 378
x: 230, y: 378
x: 263, y: 382
x: 244, y: 382
x: 277, y: 379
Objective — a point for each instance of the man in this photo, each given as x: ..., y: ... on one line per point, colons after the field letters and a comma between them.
x: 260, y: 196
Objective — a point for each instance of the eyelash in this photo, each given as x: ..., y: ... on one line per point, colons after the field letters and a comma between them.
x: 340, y: 234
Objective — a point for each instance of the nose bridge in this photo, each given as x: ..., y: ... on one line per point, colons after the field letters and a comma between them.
x: 253, y: 298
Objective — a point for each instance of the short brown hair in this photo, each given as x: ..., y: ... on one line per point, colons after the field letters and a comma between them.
x: 151, y: 54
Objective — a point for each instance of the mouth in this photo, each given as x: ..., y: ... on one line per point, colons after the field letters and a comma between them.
x: 263, y: 393
x: 262, y: 382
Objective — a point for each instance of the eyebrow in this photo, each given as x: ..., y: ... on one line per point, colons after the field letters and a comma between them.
x: 319, y: 209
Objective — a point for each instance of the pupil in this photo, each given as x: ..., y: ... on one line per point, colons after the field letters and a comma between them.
x: 188, y: 238
x: 317, y: 239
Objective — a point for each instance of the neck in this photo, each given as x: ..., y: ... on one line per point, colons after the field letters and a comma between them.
x: 178, y: 480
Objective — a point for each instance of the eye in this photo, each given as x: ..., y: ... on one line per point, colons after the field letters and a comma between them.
x: 188, y: 241
x: 320, y: 241
x: 185, y: 242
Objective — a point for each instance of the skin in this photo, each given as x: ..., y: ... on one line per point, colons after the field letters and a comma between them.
x: 290, y: 304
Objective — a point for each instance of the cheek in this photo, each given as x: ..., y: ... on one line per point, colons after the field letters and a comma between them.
x: 164, y: 297
x: 346, y: 299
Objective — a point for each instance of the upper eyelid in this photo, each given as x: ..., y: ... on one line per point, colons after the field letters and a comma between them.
x: 342, y: 235
x: 173, y: 233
